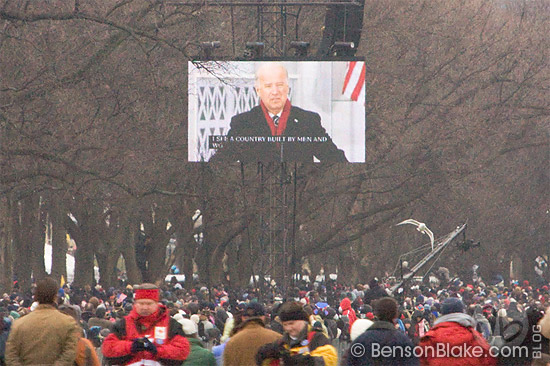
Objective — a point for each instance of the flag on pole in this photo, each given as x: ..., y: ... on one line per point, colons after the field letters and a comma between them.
x: 354, y: 82
x: 62, y: 282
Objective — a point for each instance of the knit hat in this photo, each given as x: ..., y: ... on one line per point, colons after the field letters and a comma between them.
x: 178, y: 316
x: 100, y: 312
x: 292, y: 311
x: 189, y: 327
x: 452, y: 305
x: 147, y: 291
x: 195, y: 318
x: 358, y: 327
x: 254, y: 309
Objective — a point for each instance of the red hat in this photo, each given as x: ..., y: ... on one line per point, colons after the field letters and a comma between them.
x: 151, y: 294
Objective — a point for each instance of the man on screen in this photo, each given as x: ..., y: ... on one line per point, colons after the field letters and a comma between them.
x: 276, y: 130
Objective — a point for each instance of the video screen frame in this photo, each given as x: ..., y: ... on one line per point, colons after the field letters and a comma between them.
x: 220, y: 90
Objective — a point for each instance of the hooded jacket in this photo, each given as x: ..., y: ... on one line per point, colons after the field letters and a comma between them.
x: 199, y: 355
x: 458, y: 342
x: 165, y: 332
x: 345, y: 304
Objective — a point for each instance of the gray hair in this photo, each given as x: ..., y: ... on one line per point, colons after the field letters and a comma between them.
x: 268, y: 66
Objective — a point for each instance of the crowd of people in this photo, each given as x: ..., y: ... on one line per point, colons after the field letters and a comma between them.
x: 323, y: 323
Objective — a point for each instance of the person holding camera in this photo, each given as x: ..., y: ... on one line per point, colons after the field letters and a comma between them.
x: 148, y: 335
x: 301, y: 345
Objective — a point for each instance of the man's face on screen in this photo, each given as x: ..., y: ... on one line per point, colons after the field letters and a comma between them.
x: 272, y: 87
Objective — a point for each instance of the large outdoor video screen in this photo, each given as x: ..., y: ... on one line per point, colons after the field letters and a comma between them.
x: 268, y: 111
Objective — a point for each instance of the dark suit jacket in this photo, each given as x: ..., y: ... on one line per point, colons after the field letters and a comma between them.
x: 300, y: 124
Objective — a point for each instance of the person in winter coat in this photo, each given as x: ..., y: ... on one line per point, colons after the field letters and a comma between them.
x: 482, y: 326
x: 217, y: 351
x: 45, y: 336
x: 199, y: 356
x: 359, y: 327
x: 381, y: 337
x: 374, y: 292
x: 418, y: 328
x: 98, y: 319
x: 301, y: 345
x: 220, y: 318
x: 147, y: 334
x: 233, y: 321
x: 455, y: 333
x: 347, y: 310
x: 501, y: 323
x: 5, y: 325
x: 249, y: 336
x: 85, y: 350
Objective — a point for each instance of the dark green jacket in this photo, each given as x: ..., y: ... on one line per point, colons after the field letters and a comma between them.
x: 199, y: 356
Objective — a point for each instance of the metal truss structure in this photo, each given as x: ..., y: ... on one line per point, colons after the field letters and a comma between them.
x: 277, y: 218
x: 273, y: 18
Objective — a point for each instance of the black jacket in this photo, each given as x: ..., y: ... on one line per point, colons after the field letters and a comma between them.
x: 385, y: 338
x: 302, y: 126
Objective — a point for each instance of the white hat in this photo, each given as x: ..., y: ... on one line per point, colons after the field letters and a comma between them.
x: 178, y: 316
x: 358, y: 327
x: 34, y: 305
x: 195, y: 318
x: 189, y: 327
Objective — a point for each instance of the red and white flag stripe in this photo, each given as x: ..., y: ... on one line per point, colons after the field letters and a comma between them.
x: 354, y: 82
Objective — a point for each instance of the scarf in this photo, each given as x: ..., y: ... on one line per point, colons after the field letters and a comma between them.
x: 280, y: 128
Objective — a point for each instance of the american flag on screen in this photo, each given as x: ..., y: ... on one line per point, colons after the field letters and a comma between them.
x: 354, y: 82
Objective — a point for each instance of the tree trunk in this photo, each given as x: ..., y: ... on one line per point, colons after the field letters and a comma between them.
x: 5, y: 245
x: 59, y: 239
x: 237, y: 263
x: 86, y: 235
x: 106, y: 263
x: 84, y: 259
x: 128, y: 251
x: 157, y: 237
x: 20, y: 213
x: 187, y: 260
x: 36, y: 232
x: 107, y: 258
x: 155, y: 249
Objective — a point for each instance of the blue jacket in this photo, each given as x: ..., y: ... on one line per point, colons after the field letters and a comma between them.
x: 217, y: 351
